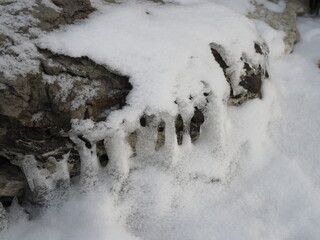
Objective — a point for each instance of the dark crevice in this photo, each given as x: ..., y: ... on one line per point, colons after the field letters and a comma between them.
x: 103, y: 159
x: 132, y: 140
x: 179, y: 129
x: 196, y: 121
x: 161, y: 137
x: 102, y: 153
x: 222, y: 63
x: 314, y: 6
x: 143, y: 121
x: 258, y: 49
x: 219, y: 60
x: 252, y: 81
x: 87, y: 143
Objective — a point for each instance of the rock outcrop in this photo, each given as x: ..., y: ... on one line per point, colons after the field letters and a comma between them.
x: 36, y: 106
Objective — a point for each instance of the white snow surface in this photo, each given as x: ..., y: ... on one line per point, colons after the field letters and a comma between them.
x: 264, y: 152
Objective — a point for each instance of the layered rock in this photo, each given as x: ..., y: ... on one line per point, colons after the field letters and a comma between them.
x: 36, y: 106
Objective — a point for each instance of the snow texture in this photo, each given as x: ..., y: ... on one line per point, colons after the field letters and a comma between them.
x: 18, y: 53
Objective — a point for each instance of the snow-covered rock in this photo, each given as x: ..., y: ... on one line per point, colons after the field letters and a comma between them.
x: 178, y: 81
x: 281, y: 15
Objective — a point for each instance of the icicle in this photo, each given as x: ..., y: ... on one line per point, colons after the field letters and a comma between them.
x: 169, y: 150
x: 38, y: 179
x: 90, y: 165
x: 119, y: 152
x: 61, y: 175
x: 42, y: 182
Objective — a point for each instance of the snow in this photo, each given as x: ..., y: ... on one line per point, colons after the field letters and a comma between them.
x: 50, y: 4
x: 272, y: 37
x: 240, y: 6
x: 37, y: 116
x: 254, y: 172
x: 275, y: 7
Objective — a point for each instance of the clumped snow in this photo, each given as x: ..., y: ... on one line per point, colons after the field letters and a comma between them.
x: 253, y: 174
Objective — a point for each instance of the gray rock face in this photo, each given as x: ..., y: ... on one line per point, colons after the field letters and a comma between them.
x: 65, y: 12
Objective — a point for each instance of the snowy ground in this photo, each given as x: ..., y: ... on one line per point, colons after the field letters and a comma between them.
x: 270, y: 192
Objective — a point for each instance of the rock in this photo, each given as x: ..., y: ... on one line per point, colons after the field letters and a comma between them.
x: 179, y: 126
x: 83, y: 74
x: 35, y: 121
x: 12, y: 180
x: 62, y: 12
x: 47, y: 90
x: 248, y: 85
x: 196, y: 121
x: 285, y: 21
x: 161, y: 136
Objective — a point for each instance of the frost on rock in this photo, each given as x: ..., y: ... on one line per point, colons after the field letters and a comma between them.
x: 79, y: 89
x: 18, y: 53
